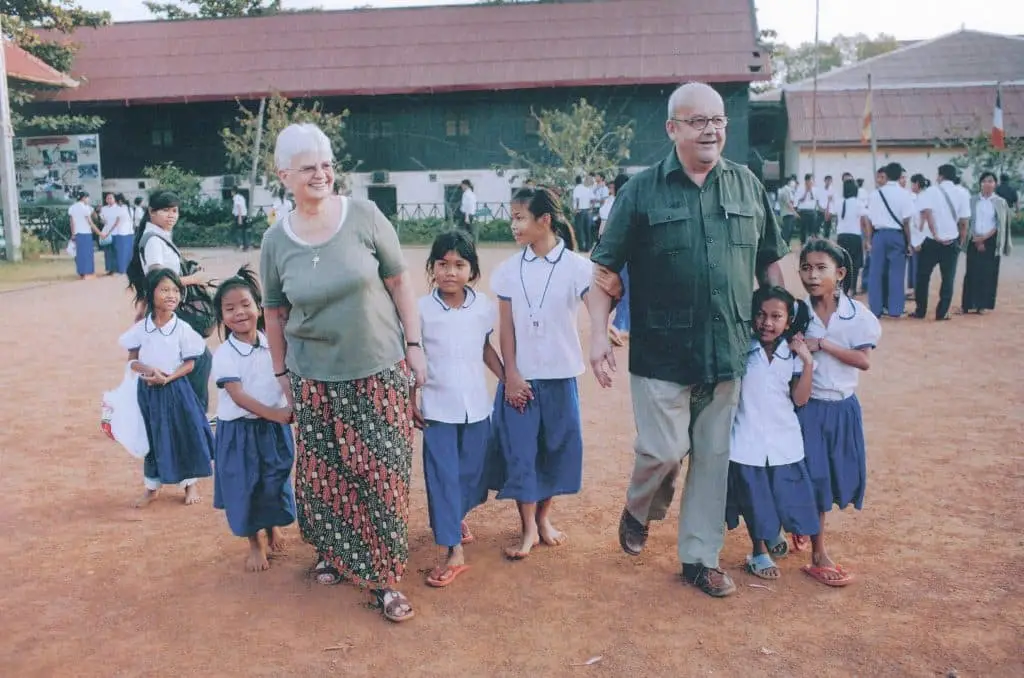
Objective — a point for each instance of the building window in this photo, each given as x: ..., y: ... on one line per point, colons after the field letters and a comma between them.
x: 162, y: 137
x: 387, y: 128
x: 456, y: 126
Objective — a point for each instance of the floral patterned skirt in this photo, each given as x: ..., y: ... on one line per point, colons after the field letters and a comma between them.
x: 353, y: 457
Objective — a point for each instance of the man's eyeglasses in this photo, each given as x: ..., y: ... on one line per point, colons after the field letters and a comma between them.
x: 700, y: 122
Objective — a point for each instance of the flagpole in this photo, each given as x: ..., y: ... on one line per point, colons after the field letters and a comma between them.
x: 8, y: 177
x: 874, y: 140
x: 814, y: 93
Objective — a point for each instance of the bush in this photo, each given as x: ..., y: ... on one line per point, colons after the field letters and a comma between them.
x: 423, y: 231
x: 1017, y: 224
x: 190, y: 233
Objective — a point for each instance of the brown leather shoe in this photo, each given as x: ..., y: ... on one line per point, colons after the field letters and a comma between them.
x: 632, y: 534
x: 710, y: 580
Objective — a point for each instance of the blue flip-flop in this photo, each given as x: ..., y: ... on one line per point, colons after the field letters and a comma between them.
x: 756, y: 565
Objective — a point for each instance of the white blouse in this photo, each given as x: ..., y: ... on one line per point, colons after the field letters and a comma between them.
x: 158, y: 253
x: 852, y: 325
x: 164, y: 348
x: 253, y: 368
x: 766, y: 430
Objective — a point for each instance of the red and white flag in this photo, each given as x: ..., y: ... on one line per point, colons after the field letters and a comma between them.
x: 998, y: 134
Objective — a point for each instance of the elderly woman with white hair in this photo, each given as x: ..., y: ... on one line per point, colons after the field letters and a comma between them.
x: 344, y: 335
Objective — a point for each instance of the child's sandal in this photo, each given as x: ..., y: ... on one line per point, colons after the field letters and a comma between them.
x: 326, y: 574
x: 391, y: 603
x: 760, y: 564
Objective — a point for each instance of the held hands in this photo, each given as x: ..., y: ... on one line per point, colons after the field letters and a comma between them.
x: 417, y: 362
x: 609, y: 283
x: 285, y: 382
x: 813, y: 345
x: 282, y: 415
x: 517, y: 392
x: 799, y: 346
x: 417, y: 414
x: 602, y: 359
x: 155, y: 377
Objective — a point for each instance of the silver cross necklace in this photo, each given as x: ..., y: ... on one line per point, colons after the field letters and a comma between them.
x: 316, y: 257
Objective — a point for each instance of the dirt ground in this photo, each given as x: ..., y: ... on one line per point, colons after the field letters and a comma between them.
x: 92, y: 587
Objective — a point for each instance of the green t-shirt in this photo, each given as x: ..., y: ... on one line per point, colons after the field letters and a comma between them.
x: 343, y: 324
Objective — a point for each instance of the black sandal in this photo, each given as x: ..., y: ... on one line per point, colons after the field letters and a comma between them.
x: 390, y: 602
x: 326, y: 574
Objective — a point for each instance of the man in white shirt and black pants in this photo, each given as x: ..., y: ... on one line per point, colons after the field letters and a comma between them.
x: 810, y: 204
x: 240, y: 216
x: 945, y: 211
x: 583, y: 214
x: 888, y: 241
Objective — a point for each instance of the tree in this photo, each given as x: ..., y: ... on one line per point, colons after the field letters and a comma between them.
x: 280, y: 112
x: 188, y: 186
x: 23, y: 22
x: 978, y: 154
x: 793, y: 64
x: 574, y: 142
x: 211, y: 9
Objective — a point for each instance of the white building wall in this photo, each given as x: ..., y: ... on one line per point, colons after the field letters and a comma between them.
x: 857, y: 161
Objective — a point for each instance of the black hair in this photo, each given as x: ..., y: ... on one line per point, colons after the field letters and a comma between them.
x: 458, y: 241
x: 799, y: 312
x: 120, y: 199
x: 828, y: 177
x: 893, y: 171
x: 541, y: 201
x: 467, y: 182
x: 838, y: 254
x: 808, y: 176
x: 158, y: 200
x: 153, y: 280
x: 947, y: 172
x: 138, y: 200
x: 620, y: 181
x: 579, y: 179
x: 244, y: 278
x: 860, y: 183
x: 921, y: 180
x: 1004, y: 178
x: 986, y: 174
x: 600, y: 175
x: 849, y: 191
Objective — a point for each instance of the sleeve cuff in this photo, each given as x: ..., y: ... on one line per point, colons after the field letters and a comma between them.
x: 227, y: 380
x: 860, y: 347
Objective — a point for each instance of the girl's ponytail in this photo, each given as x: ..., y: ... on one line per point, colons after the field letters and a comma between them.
x: 800, y: 318
x: 564, y: 230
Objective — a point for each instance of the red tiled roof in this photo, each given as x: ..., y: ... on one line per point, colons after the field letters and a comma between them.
x: 28, y: 68
x: 431, y: 49
x: 913, y: 115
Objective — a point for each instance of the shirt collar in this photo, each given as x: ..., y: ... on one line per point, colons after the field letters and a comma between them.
x: 467, y: 302
x: 156, y: 230
x: 245, y: 349
x: 551, y: 257
x: 781, y: 351
x: 846, y: 314
x: 671, y: 165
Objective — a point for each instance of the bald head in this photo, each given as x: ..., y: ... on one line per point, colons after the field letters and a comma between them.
x: 694, y: 95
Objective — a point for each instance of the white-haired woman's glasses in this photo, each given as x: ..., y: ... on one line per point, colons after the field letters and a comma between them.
x: 311, y: 170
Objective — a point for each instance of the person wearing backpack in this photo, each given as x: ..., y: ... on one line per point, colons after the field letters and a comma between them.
x: 154, y: 249
x: 945, y: 211
x: 888, y: 242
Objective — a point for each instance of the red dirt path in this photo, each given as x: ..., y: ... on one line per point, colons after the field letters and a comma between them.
x: 95, y: 588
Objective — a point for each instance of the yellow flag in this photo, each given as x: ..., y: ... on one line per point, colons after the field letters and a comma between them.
x: 865, y: 128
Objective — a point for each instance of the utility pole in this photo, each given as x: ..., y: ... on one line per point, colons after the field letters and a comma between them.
x: 256, y: 156
x: 8, y: 178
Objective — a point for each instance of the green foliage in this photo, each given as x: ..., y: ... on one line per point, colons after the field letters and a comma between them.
x: 169, y: 177
x: 22, y: 22
x: 573, y: 142
x: 979, y: 155
x: 279, y: 113
x: 793, y: 64
x: 423, y: 231
x: 211, y: 9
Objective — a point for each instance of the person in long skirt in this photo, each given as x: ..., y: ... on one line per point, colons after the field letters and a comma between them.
x: 163, y: 350
x: 111, y: 218
x: 538, y: 424
x: 457, y: 322
x: 841, y: 335
x: 769, y: 486
x: 990, y: 241
x: 82, y: 230
x: 254, y: 449
x: 344, y: 335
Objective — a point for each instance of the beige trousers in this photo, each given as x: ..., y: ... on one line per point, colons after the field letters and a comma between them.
x: 672, y: 421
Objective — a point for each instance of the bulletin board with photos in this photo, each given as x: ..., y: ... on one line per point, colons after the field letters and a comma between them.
x: 52, y: 170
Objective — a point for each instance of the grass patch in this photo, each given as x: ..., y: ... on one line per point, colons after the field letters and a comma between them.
x: 39, y: 271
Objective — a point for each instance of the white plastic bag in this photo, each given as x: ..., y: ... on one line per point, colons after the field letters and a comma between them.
x: 121, y: 417
x: 72, y: 248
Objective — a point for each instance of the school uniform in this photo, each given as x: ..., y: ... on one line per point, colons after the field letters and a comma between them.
x: 81, y: 234
x: 948, y: 206
x: 849, y: 236
x: 543, y: 446
x: 124, y: 237
x: 180, y: 441
x: 254, y: 456
x: 457, y: 409
x: 769, y: 485
x: 108, y: 216
x: 917, y: 238
x: 831, y: 421
x: 888, y: 208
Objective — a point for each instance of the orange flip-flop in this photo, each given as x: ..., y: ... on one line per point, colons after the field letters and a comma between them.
x: 467, y: 536
x: 444, y: 577
x: 818, y: 574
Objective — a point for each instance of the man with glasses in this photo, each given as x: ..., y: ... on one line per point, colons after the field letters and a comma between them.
x: 695, y: 230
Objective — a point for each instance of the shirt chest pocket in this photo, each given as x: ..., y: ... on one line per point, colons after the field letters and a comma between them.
x: 670, y: 229
x: 742, y: 225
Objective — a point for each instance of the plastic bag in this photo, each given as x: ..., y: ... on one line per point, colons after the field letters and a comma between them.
x: 107, y: 241
x: 121, y: 418
x: 72, y: 248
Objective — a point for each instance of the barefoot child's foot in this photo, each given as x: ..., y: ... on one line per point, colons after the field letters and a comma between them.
x: 192, y: 494
x: 467, y: 536
x: 522, y: 551
x: 146, y: 499
x: 549, y: 535
x: 257, y: 560
x: 276, y: 542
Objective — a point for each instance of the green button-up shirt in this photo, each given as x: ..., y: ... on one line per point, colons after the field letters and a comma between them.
x: 693, y: 253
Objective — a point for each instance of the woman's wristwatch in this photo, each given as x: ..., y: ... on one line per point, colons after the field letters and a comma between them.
x: 413, y: 344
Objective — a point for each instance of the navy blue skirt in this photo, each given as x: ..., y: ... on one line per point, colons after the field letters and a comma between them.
x: 542, y: 447
x: 180, y: 441
x: 253, y: 483
x: 834, y: 450
x: 455, y: 466
x: 85, y: 261
x: 770, y: 498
